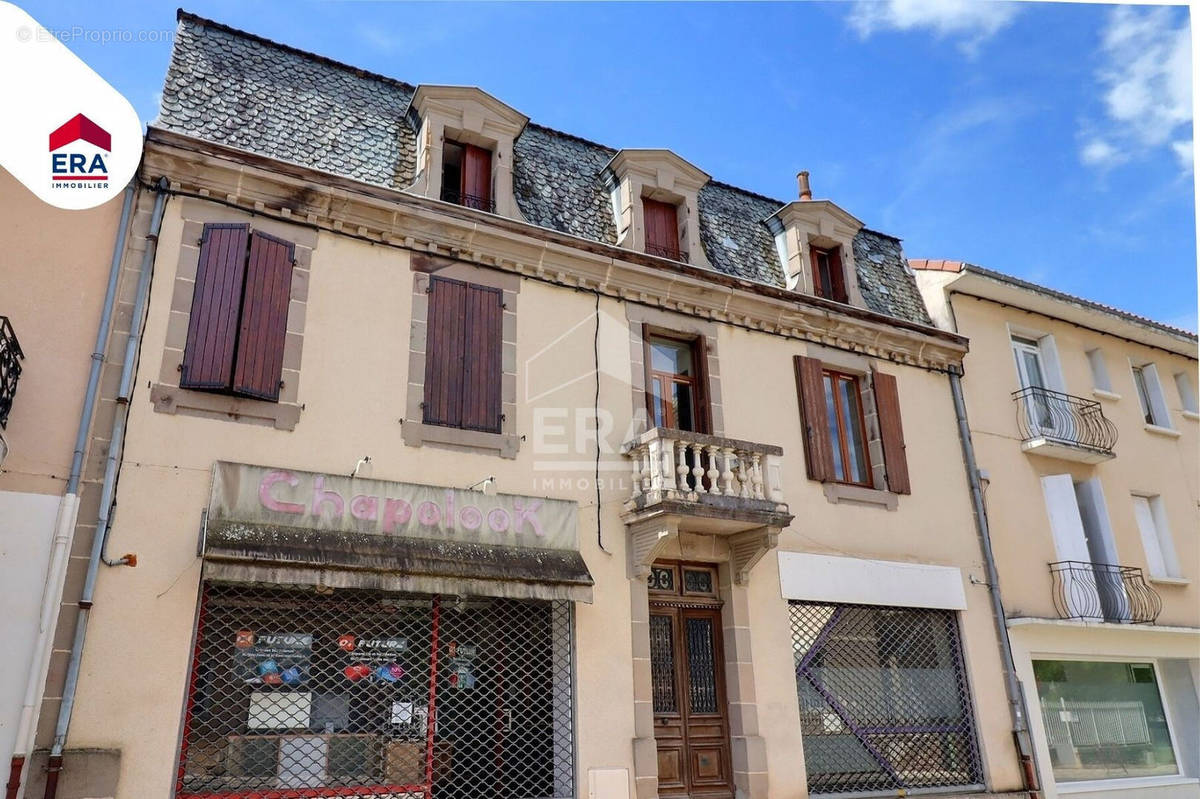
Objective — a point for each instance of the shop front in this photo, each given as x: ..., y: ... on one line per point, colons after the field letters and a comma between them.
x: 364, y: 638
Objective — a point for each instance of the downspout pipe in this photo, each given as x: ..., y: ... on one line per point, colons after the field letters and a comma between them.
x: 68, y: 508
x: 1016, y: 698
x: 107, y: 492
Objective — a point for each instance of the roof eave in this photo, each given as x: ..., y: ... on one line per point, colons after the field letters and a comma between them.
x: 977, y: 281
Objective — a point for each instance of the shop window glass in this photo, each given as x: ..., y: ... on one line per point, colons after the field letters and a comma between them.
x: 1103, y: 720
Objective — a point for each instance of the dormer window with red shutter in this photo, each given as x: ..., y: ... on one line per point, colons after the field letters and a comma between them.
x: 829, y: 277
x: 662, y: 229
x: 467, y: 176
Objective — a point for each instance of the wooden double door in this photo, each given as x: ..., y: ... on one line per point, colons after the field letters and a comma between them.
x: 691, y: 724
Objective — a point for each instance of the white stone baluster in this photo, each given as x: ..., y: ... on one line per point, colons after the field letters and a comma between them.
x: 669, y: 479
x: 681, y: 467
x: 756, y: 475
x: 727, y: 474
x: 656, y: 456
x: 713, y: 471
x: 698, y: 468
x: 743, y: 474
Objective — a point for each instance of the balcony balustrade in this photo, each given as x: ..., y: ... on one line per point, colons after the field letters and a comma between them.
x: 670, y: 253
x: 686, y: 482
x: 1086, y: 591
x: 1061, y: 426
x: 469, y: 200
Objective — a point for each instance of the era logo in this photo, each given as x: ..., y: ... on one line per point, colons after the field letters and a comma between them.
x: 78, y: 151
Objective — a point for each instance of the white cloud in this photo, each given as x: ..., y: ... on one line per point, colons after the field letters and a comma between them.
x: 1099, y: 152
x: 1147, y: 85
x: 970, y: 21
x: 1183, y: 150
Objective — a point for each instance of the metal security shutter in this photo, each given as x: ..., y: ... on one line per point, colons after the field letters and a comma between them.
x: 884, y: 701
x: 263, y: 327
x: 216, y: 302
x: 463, y: 370
x: 887, y: 407
x: 363, y: 693
x: 814, y: 416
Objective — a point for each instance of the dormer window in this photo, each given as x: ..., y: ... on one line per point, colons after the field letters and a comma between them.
x: 815, y: 240
x: 662, y: 229
x: 467, y: 176
x: 655, y: 200
x: 465, y: 148
x: 829, y: 278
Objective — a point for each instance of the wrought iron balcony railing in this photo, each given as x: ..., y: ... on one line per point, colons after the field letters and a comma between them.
x: 10, y: 368
x: 1052, y: 417
x: 1103, y: 592
x: 469, y: 200
x: 669, y: 253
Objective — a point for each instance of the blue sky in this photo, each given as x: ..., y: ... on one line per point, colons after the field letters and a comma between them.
x: 1048, y: 141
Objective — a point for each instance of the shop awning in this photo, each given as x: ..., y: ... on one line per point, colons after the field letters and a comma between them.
x: 263, y: 553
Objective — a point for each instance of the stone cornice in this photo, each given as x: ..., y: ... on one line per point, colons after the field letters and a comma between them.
x: 291, y: 192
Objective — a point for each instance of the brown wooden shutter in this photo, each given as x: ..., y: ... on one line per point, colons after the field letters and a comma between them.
x: 477, y: 177
x: 662, y: 225
x: 463, y: 349
x: 263, y: 329
x: 818, y: 448
x: 481, y: 407
x: 887, y: 406
x: 837, y: 275
x: 703, y: 403
x: 445, y: 326
x: 216, y: 302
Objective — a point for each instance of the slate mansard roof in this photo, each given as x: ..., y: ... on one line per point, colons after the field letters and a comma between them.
x: 240, y: 90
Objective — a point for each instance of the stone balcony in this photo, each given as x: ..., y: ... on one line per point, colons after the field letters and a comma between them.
x: 702, y: 484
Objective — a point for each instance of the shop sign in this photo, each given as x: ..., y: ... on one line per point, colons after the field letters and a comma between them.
x: 264, y: 495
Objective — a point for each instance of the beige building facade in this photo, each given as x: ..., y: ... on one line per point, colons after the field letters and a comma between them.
x: 461, y: 457
x: 1085, y: 428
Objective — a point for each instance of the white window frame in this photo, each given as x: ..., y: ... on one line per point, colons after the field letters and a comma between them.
x: 1101, y: 381
x: 1161, y: 555
x: 1112, y: 783
x: 1157, y: 411
x: 1052, y: 371
x: 1187, y: 394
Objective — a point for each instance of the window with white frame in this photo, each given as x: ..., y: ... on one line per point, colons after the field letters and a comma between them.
x: 1100, y: 378
x: 1150, y: 395
x: 1156, y: 536
x: 1187, y: 391
x: 1103, y: 720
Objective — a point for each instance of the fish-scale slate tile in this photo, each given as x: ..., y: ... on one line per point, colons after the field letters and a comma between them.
x: 885, y: 279
x: 247, y: 93
x: 559, y: 183
x: 237, y: 89
x: 735, y: 236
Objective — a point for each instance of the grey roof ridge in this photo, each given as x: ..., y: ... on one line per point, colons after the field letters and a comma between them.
x: 181, y: 14
x: 1128, y: 316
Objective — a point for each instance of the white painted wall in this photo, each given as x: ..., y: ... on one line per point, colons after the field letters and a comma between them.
x: 26, y: 532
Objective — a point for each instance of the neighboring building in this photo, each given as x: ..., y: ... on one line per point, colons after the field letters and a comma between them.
x: 1085, y: 425
x: 467, y: 458
x: 55, y: 273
